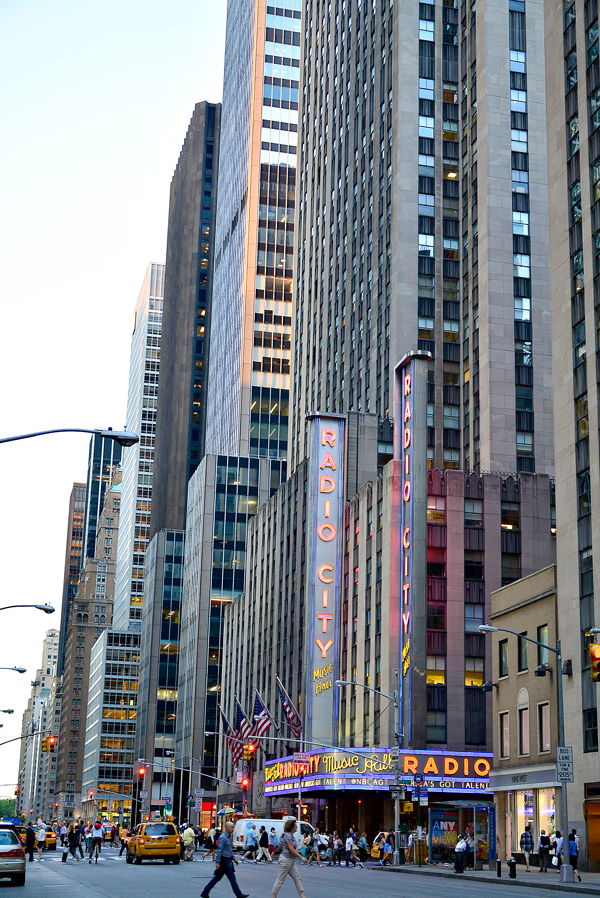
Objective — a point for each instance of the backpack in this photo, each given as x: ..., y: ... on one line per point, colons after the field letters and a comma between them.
x: 97, y: 825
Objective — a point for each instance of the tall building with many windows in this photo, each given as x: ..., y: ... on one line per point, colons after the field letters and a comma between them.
x: 248, y: 391
x: 182, y: 393
x: 73, y: 559
x: 573, y: 85
x: 103, y: 456
x: 422, y: 127
x: 136, y: 485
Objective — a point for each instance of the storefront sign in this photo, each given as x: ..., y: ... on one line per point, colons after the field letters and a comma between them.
x: 326, y: 519
x: 348, y: 769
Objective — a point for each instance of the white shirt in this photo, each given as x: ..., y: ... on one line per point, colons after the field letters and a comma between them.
x: 97, y: 833
x: 349, y: 843
x: 461, y: 845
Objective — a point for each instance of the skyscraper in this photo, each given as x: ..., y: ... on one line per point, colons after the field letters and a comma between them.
x: 422, y: 221
x: 73, y: 559
x: 181, y: 412
x: 248, y: 388
x: 104, y: 454
x: 136, y: 485
x: 573, y: 85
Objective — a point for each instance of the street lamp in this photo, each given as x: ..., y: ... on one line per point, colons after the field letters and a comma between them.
x: 7, y: 711
x: 47, y: 608
x: 124, y: 438
x: 17, y: 669
x: 566, y: 870
x: 341, y: 684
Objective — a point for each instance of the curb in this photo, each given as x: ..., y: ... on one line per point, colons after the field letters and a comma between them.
x: 558, y: 887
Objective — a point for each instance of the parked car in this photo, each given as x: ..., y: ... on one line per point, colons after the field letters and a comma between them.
x: 242, y: 827
x: 377, y: 846
x: 12, y: 855
x: 154, y: 841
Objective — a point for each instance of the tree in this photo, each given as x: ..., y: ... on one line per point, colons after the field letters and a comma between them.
x: 7, y: 807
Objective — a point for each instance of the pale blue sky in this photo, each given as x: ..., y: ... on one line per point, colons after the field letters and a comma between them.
x: 95, y: 100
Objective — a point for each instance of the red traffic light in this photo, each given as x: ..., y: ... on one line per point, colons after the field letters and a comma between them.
x: 91, y: 793
x: 245, y: 782
x: 252, y: 747
x: 142, y: 771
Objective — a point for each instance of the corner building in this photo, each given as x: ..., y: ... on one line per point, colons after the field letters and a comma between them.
x: 573, y: 79
x: 422, y: 221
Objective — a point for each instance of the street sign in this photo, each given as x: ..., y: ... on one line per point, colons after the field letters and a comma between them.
x: 424, y: 799
x: 564, y: 753
x: 198, y: 804
x: 167, y: 799
x: 190, y: 804
x: 198, y: 793
x: 397, y: 796
x: 301, y: 757
x: 395, y: 754
x: 564, y: 772
x: 143, y: 794
x: 190, y: 797
x: 418, y: 778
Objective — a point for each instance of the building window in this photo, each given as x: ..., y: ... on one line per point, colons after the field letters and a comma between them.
x: 473, y: 513
x: 504, y: 733
x: 590, y: 730
x: 542, y: 636
x: 436, y: 670
x: 522, y: 652
x: 474, y: 671
x: 544, y: 727
x: 509, y: 515
x: 473, y: 617
x: 523, y: 718
x: 503, y: 658
x: 436, y: 726
x: 436, y: 509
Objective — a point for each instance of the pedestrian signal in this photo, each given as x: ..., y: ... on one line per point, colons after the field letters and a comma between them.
x: 594, y: 653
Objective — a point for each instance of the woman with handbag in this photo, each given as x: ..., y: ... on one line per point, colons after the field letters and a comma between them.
x: 287, y: 851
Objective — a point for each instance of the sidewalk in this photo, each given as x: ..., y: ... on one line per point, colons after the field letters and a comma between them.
x: 590, y: 881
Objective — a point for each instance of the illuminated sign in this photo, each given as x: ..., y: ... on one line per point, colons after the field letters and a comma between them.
x: 326, y: 491
x: 410, y: 454
x: 349, y: 769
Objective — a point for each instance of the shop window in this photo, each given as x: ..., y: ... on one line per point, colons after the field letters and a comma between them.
x: 546, y: 810
x: 503, y: 658
x: 524, y: 812
x: 474, y: 671
x: 436, y: 670
x: 522, y: 652
x: 504, y: 733
x: 544, y: 727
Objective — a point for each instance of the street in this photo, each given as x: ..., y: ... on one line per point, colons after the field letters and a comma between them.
x: 113, y: 878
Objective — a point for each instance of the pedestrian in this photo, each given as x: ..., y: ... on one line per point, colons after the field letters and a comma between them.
x: 313, y: 850
x: 189, y: 843
x: 350, y: 859
x: 339, y: 848
x: 41, y: 840
x: 225, y: 861
x: 210, y: 843
x: 558, y: 847
x: 198, y: 837
x: 459, y: 855
x: 329, y: 851
x: 30, y: 840
x: 97, y: 838
x: 288, y: 852
x: 72, y: 841
x: 124, y: 833
x: 388, y: 849
x: 272, y: 841
x: 63, y: 834
x: 543, y: 850
x: 84, y: 834
x: 263, y: 846
x: 251, y: 843
x: 409, y: 847
x: 363, y: 848
x: 574, y: 853
x: 527, y: 846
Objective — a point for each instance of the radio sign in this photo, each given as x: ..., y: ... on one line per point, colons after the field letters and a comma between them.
x: 326, y: 492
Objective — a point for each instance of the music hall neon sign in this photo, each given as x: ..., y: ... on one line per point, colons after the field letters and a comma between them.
x: 327, y: 464
x: 406, y: 514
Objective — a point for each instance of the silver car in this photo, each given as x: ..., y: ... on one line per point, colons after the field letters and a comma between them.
x: 12, y: 857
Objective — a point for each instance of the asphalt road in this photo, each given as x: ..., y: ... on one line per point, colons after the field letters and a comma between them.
x: 113, y: 878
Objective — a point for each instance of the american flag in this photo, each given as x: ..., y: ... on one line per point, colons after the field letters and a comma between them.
x: 242, y: 725
x: 261, y: 719
x: 230, y: 735
x: 292, y: 716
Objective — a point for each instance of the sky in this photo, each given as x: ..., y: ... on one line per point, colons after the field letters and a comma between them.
x: 95, y: 100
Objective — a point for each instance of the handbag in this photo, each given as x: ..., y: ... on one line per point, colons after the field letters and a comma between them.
x: 555, y: 861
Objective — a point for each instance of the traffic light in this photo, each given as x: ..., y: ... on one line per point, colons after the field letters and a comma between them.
x: 45, y: 745
x: 51, y: 743
x: 17, y: 790
x: 245, y: 783
x: 249, y: 751
x: 594, y: 653
x: 141, y: 772
x: 91, y: 794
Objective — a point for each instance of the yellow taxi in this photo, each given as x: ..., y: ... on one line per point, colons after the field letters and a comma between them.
x: 21, y: 832
x: 157, y: 840
x: 377, y: 846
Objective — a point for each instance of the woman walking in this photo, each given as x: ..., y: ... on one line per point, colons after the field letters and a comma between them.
x: 287, y: 861
x: 313, y: 849
x: 41, y: 840
x: 210, y: 843
x: 73, y: 841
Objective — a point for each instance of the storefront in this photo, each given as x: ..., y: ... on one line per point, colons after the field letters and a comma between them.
x: 345, y: 787
x: 525, y: 796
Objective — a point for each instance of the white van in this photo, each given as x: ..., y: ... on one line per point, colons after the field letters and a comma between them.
x: 242, y: 827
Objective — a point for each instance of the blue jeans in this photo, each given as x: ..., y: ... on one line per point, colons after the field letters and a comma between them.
x: 225, y: 869
x: 350, y: 859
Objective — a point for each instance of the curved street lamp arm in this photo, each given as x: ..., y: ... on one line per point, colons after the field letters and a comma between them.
x: 340, y: 683
x: 550, y: 648
x: 123, y: 437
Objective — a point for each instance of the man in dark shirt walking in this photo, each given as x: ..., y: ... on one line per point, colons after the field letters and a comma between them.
x: 30, y: 840
x: 527, y: 846
x: 225, y: 860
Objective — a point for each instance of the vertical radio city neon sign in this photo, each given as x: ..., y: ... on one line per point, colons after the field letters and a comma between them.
x: 406, y: 514
x: 327, y: 495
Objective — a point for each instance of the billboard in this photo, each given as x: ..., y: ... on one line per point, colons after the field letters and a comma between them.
x: 375, y: 768
x: 325, y: 520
